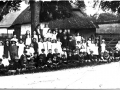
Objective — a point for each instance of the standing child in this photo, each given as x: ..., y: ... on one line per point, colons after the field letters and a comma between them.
x: 59, y: 46
x: 54, y: 46
x: 103, y: 46
x: 45, y: 45
x: 49, y: 44
x: 78, y: 37
x: 21, y: 47
x: 35, y: 45
x: 28, y: 40
x: 40, y: 45
x: 54, y: 35
x: 32, y: 51
x: 49, y: 34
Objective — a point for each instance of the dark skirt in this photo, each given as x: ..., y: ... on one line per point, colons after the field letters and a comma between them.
x: 6, y: 51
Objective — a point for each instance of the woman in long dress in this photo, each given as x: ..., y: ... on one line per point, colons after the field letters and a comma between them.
x: 1, y: 50
x: 7, y: 49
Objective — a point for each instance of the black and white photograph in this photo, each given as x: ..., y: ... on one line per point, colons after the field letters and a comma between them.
x: 59, y: 44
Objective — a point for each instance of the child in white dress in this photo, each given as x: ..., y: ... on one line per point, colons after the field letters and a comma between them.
x: 79, y: 44
x: 103, y: 46
x: 40, y: 45
x: 5, y: 61
x: 78, y: 37
x: 49, y: 44
x: 28, y: 40
x: 59, y: 46
x: 45, y: 45
x: 32, y: 51
x: 21, y: 47
x: 35, y: 36
x: 84, y: 46
x: 54, y: 35
x: 54, y: 46
x: 48, y: 34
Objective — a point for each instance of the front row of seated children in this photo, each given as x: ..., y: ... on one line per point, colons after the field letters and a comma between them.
x: 54, y: 60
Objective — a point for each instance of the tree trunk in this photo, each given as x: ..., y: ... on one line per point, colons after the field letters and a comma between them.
x: 35, y: 15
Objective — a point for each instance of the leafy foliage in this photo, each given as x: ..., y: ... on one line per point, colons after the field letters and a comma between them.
x: 55, y: 10
x: 5, y: 7
x: 111, y: 5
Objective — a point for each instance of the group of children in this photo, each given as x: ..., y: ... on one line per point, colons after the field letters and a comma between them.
x: 55, y: 49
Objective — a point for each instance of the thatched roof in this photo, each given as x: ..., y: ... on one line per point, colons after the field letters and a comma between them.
x: 76, y: 21
x: 24, y: 17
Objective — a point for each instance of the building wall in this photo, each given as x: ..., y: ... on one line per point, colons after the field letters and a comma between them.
x: 3, y: 32
x: 24, y: 28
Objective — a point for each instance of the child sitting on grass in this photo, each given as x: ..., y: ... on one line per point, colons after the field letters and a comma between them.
x: 42, y: 59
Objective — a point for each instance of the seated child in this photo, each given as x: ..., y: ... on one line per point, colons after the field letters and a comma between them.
x: 56, y: 52
x: 28, y: 53
x: 64, y: 56
x: 23, y: 60
x: 91, y: 57
x: 106, y: 56
x: 5, y: 61
x: 54, y: 61
x: 11, y: 67
x: 49, y: 58
x: 35, y: 60
x: 42, y: 58
x: 70, y: 57
x: 49, y: 55
x: 76, y: 56
x: 116, y: 55
x: 17, y: 65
